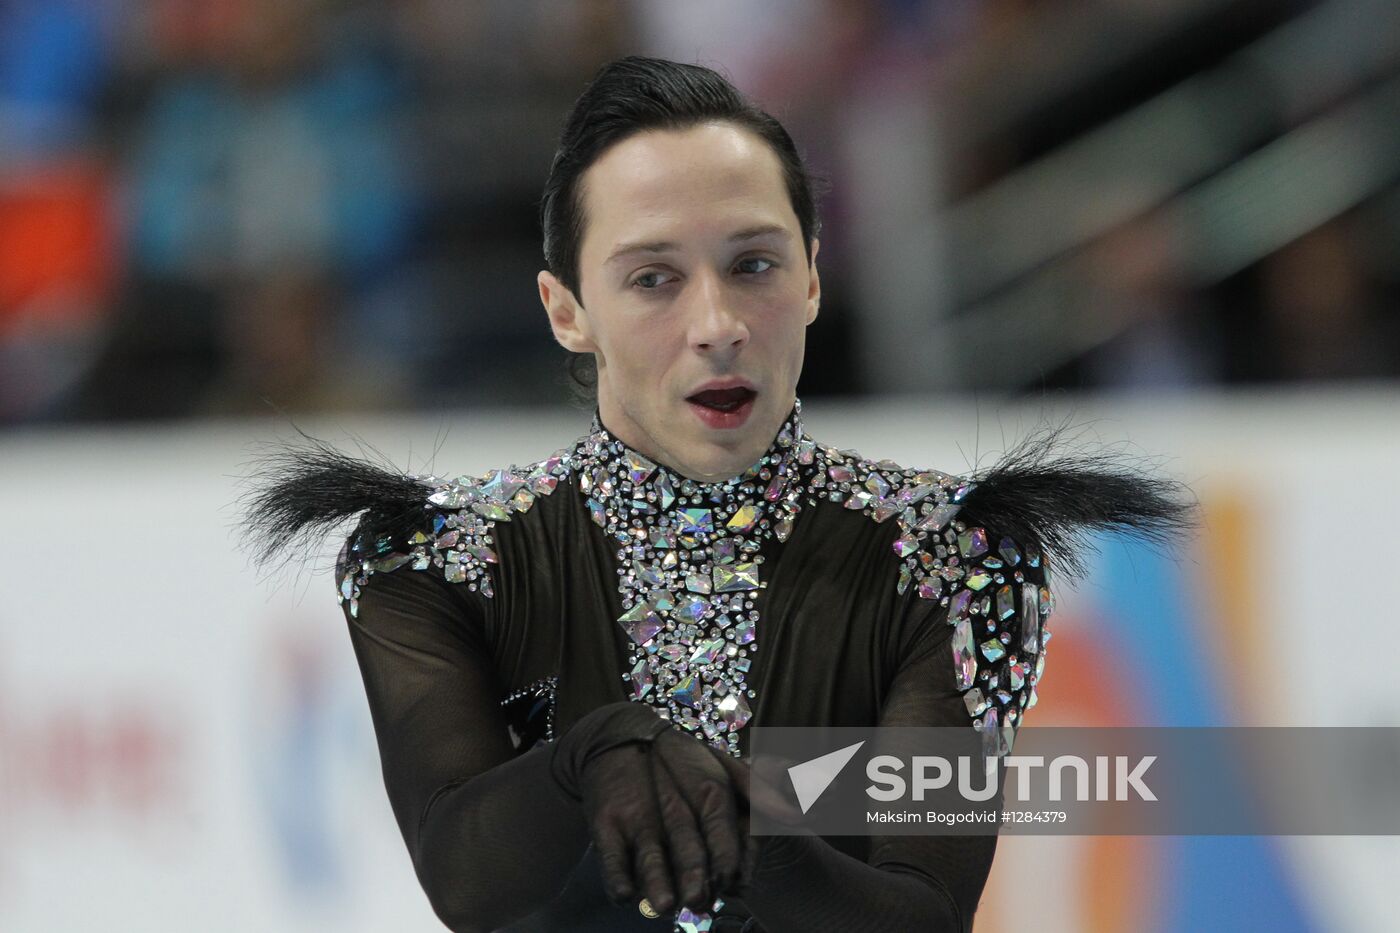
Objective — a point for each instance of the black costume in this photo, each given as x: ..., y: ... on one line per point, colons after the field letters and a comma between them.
x: 816, y: 588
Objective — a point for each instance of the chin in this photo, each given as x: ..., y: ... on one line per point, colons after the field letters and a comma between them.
x: 739, y: 454
x: 708, y: 462
x: 714, y: 456
x: 712, y: 466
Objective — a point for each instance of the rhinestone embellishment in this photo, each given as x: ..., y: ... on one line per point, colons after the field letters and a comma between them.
x: 690, y: 567
x: 690, y: 572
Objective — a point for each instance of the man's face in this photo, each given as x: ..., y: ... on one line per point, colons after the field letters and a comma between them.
x: 692, y: 277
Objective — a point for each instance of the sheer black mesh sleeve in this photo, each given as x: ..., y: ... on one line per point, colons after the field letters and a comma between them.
x: 926, y: 882
x: 492, y: 835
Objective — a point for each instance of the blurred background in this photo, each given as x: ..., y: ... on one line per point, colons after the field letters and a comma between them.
x: 211, y: 208
x: 1175, y: 221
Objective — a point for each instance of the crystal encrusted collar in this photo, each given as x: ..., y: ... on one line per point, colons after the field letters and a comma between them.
x: 690, y: 556
x: 689, y: 570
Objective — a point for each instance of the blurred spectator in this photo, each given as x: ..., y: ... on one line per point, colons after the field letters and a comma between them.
x: 57, y: 269
x: 1153, y: 332
x: 233, y: 205
x: 57, y: 236
x: 54, y: 64
x: 1323, y: 315
x: 492, y: 82
x: 265, y: 148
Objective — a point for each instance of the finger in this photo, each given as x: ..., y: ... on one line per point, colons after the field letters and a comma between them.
x: 687, y: 849
x: 653, y: 871
x: 748, y: 854
x: 714, y: 800
x: 738, y: 773
x: 642, y: 825
x: 617, y: 799
x: 615, y: 861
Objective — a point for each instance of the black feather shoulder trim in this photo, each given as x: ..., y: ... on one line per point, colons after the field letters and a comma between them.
x: 298, y: 493
x: 1046, y: 492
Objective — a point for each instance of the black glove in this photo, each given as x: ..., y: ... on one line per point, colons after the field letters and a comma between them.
x: 660, y: 804
x: 754, y: 793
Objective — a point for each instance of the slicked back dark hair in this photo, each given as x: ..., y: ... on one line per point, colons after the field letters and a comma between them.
x: 630, y: 95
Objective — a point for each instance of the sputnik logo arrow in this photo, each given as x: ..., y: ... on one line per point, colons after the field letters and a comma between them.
x: 811, y: 778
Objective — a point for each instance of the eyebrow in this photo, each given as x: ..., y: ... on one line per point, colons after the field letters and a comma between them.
x: 661, y: 246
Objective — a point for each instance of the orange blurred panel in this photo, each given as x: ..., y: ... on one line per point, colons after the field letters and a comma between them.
x: 57, y: 235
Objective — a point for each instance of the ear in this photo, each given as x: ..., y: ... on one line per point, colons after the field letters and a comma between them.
x: 814, y: 285
x: 567, y: 317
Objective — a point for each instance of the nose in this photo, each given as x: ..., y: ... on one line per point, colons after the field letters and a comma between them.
x: 715, y: 325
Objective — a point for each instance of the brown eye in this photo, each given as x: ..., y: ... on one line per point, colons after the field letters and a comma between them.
x: 770, y: 262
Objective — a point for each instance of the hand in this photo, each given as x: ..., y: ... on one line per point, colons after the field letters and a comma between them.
x: 661, y: 808
x: 665, y: 821
x: 755, y: 792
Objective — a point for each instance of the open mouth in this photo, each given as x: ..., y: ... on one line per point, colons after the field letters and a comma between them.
x: 726, y: 400
x: 723, y: 409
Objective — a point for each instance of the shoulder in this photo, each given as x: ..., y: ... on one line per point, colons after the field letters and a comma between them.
x: 921, y: 503
x: 983, y: 544
x: 445, y: 526
x: 300, y: 491
x: 1043, y: 499
x: 991, y: 589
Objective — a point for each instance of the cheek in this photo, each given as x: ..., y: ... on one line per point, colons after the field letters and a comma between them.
x: 784, y: 325
x: 641, y: 350
x: 790, y: 337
